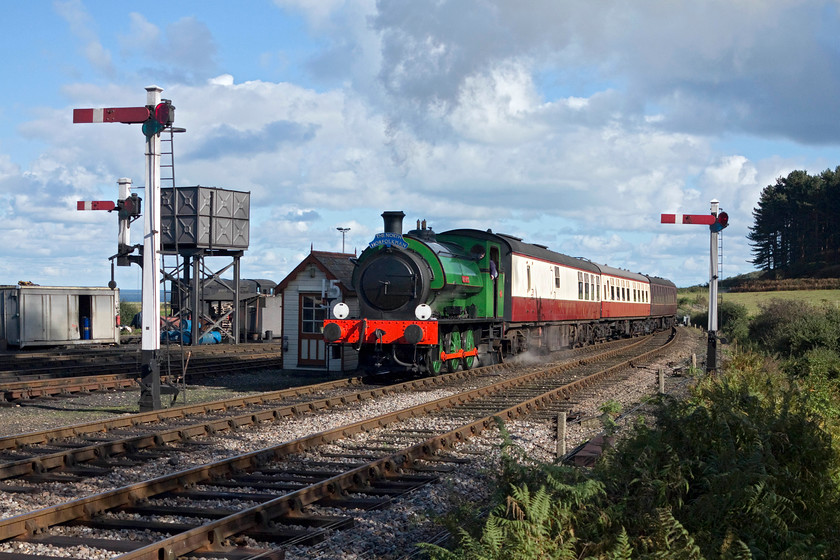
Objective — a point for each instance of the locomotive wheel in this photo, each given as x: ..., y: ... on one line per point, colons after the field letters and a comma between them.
x: 433, y: 362
x: 452, y: 343
x: 468, y: 342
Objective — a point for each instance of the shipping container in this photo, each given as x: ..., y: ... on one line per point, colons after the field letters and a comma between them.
x: 53, y: 316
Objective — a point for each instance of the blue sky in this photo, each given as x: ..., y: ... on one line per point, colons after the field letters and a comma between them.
x: 569, y: 124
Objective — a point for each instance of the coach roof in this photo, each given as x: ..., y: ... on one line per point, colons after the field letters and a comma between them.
x: 612, y: 271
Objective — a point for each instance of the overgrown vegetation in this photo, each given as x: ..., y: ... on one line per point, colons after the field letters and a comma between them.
x: 732, y: 320
x: 747, y: 467
x: 787, y: 284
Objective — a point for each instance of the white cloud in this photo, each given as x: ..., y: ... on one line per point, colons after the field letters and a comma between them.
x: 498, y: 106
x: 575, y: 124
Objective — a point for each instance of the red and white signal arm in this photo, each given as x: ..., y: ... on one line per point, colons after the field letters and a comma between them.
x: 95, y: 205
x: 127, y: 115
x: 702, y: 219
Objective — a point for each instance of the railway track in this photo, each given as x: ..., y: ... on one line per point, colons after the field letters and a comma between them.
x: 266, y: 492
x: 31, y: 376
x: 80, y: 443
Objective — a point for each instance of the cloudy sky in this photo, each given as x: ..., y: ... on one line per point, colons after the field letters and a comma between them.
x: 570, y: 124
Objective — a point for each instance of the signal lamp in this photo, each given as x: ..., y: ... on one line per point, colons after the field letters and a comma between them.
x: 160, y: 116
x: 721, y: 222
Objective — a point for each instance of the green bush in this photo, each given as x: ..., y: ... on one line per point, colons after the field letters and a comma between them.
x: 819, y: 373
x: 791, y: 329
x: 818, y: 329
x: 738, y: 470
x: 740, y: 466
x: 128, y: 309
x: 732, y: 320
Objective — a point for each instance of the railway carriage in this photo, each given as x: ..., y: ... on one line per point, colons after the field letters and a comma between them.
x: 663, y: 300
x: 626, y: 294
x: 430, y: 301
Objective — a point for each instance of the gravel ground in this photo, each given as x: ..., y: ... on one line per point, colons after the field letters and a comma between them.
x: 383, y: 534
x: 43, y: 414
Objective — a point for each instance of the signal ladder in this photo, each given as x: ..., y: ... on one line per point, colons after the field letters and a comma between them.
x: 720, y: 264
x: 177, y: 294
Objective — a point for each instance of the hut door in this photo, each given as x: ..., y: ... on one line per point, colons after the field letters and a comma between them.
x: 311, y: 345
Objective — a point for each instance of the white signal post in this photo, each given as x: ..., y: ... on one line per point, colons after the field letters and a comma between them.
x: 713, y: 277
x: 716, y: 221
x: 150, y: 340
x: 124, y: 235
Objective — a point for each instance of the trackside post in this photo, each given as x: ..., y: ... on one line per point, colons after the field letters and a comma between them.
x: 716, y: 221
x: 155, y: 116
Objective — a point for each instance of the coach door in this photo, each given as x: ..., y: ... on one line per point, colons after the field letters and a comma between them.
x: 498, y: 279
x: 311, y: 345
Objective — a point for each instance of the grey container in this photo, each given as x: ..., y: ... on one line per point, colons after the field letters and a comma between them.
x: 51, y: 316
x: 204, y: 218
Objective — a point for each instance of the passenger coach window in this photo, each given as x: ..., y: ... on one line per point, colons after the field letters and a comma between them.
x: 597, y: 288
x: 580, y: 285
x: 586, y: 286
x: 556, y: 276
x: 612, y: 291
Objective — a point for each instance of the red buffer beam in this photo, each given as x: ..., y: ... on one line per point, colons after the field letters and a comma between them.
x: 96, y: 205
x: 701, y: 219
x: 127, y: 115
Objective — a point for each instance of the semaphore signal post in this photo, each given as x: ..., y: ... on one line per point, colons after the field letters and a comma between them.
x: 716, y: 221
x: 155, y: 116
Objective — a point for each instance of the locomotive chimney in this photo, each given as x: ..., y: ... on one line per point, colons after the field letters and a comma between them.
x: 393, y: 221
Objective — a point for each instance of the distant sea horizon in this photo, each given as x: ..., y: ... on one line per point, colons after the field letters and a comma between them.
x: 131, y: 295
x: 134, y: 295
